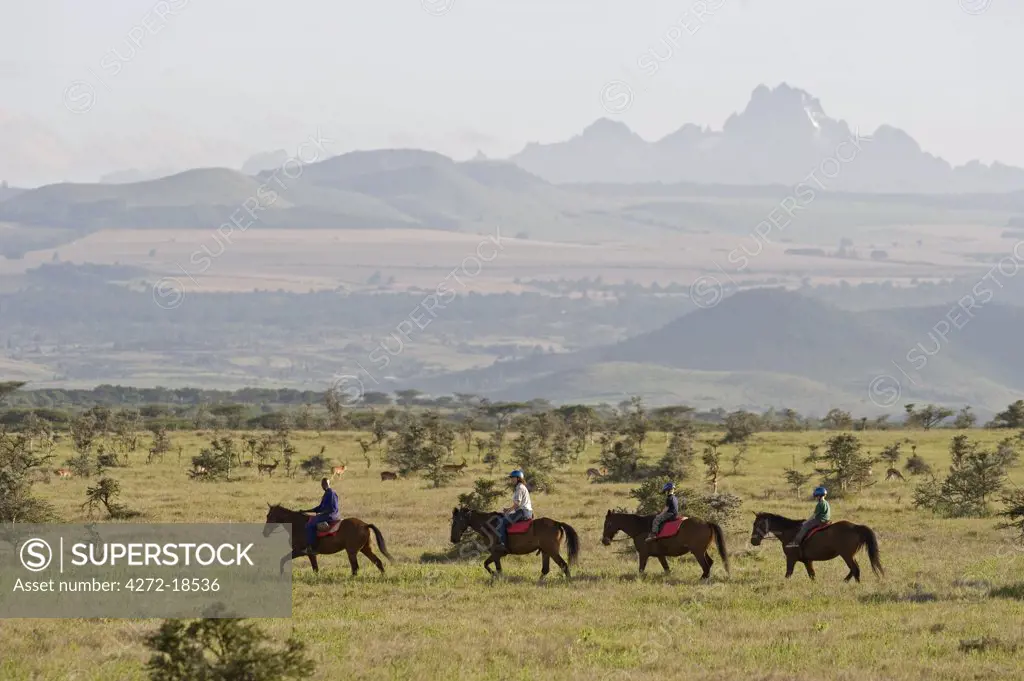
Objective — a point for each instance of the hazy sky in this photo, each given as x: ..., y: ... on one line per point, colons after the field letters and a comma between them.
x: 222, y: 79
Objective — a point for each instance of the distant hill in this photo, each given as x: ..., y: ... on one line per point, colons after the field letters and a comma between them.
x: 411, y: 188
x: 781, y: 136
x: 782, y: 349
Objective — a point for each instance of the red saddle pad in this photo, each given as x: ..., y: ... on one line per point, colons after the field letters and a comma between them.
x: 520, y: 527
x: 671, y: 527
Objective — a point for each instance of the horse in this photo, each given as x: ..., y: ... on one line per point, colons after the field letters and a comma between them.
x: 353, y: 535
x: 544, y: 537
x: 694, y: 536
x: 841, y: 538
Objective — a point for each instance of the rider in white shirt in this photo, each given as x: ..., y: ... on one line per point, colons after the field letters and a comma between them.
x: 522, y: 508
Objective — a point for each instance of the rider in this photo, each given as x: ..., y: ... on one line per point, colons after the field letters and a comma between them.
x: 822, y: 515
x: 521, y: 509
x: 328, y: 511
x: 671, y: 511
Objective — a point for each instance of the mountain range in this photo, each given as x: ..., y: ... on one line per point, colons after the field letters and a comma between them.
x: 774, y: 348
x: 781, y: 137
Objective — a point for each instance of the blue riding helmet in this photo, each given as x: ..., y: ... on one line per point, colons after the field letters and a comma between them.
x: 668, y: 486
x: 516, y: 474
x: 820, y: 491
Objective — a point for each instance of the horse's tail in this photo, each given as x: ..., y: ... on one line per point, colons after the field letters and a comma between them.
x: 720, y: 542
x: 867, y: 536
x: 572, y: 540
x: 380, y: 542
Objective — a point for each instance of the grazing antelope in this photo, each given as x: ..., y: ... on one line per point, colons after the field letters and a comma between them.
x: 388, y: 475
x: 893, y: 473
x: 198, y: 472
x: 339, y: 470
x: 63, y: 473
x: 594, y: 473
x: 267, y: 468
x: 455, y: 467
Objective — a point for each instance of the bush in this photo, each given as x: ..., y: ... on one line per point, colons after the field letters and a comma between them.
x: 18, y: 466
x: 975, y: 475
x: 537, y: 466
x: 677, y: 463
x: 917, y: 466
x: 484, y: 496
x: 621, y: 458
x: 103, y: 494
x: 842, y: 467
x: 719, y: 508
x: 314, y: 466
x: 222, y: 650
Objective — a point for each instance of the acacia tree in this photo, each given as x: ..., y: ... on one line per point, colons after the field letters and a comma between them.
x: 975, y: 476
x: 1012, y: 417
x: 926, y: 417
x: 18, y: 467
x: 842, y: 466
x: 420, y: 446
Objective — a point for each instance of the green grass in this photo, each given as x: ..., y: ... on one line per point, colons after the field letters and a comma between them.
x: 951, y: 605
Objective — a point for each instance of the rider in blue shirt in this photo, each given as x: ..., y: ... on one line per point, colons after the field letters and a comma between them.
x: 328, y: 511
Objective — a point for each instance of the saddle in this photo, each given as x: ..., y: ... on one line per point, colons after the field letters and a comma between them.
x: 520, y: 527
x: 327, y: 529
x: 815, y: 531
x: 670, y: 528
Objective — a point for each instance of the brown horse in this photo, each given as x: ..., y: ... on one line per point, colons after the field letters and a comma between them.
x: 841, y: 538
x: 694, y: 536
x: 353, y: 536
x: 544, y: 537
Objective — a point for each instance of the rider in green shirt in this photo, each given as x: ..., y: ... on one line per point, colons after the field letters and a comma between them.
x: 822, y: 515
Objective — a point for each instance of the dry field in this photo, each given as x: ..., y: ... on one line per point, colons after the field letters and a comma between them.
x: 950, y: 584
x: 300, y: 260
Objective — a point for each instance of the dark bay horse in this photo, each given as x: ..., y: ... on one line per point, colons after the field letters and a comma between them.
x: 352, y: 536
x: 841, y: 538
x: 694, y: 536
x: 544, y: 537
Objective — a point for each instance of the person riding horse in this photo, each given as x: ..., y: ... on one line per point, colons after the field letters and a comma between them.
x: 671, y: 511
x: 521, y: 509
x: 328, y: 511
x: 822, y: 515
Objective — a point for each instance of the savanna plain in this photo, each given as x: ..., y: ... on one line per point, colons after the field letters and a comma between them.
x: 950, y: 606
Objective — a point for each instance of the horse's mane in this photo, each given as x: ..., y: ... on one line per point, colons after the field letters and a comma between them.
x: 633, y: 515
x: 779, y: 518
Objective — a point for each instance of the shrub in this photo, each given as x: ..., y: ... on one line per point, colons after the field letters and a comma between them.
x: 314, y: 466
x: 975, y: 475
x: 484, y: 496
x: 222, y: 650
x: 18, y: 466
x: 716, y: 508
x: 842, y: 467
x: 677, y: 463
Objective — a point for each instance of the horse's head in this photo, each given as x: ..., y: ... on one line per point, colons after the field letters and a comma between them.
x: 609, y: 529
x: 760, y: 530
x: 275, y: 514
x: 460, y: 523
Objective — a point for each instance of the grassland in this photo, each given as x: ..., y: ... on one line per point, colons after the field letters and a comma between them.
x: 948, y: 583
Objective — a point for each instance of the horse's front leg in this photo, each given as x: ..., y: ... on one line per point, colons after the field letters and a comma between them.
x: 545, y: 566
x: 790, y: 564
x: 809, y: 568
x: 487, y: 564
